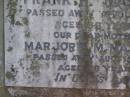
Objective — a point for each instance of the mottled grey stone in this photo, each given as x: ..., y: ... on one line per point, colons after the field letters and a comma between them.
x: 1, y: 43
x: 3, y: 91
x: 54, y: 92
x: 30, y: 43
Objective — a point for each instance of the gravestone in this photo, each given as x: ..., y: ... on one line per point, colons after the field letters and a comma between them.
x: 67, y: 43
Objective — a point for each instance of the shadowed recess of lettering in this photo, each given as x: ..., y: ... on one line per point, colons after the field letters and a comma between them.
x: 85, y: 62
x: 1, y: 43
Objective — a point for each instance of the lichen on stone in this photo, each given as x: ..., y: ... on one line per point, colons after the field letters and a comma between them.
x: 25, y: 21
x: 27, y: 34
x: 10, y: 49
x: 18, y: 23
x: 10, y: 75
x: 12, y: 6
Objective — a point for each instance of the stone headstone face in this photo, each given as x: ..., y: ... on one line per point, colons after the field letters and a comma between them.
x: 67, y: 43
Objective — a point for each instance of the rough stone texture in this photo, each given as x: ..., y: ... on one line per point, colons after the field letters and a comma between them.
x: 54, y: 92
x: 1, y: 43
x: 102, y: 46
x: 48, y: 92
x: 22, y: 29
x: 3, y: 91
x: 111, y: 18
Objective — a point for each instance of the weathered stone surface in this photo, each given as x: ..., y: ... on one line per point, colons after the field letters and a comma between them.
x: 48, y: 92
x: 110, y: 42
x: 54, y: 92
x: 3, y: 91
x: 1, y: 43
x: 93, y: 54
x: 36, y: 56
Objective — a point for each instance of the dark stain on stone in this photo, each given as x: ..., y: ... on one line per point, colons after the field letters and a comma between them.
x: 115, y: 80
x: 118, y: 42
x: 12, y: 6
x: 127, y: 81
x: 27, y: 34
x: 87, y: 72
x: 35, y: 69
x: 91, y: 4
x: 10, y: 76
x: 18, y: 23
x: 10, y: 49
x: 75, y: 3
x: 25, y: 21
